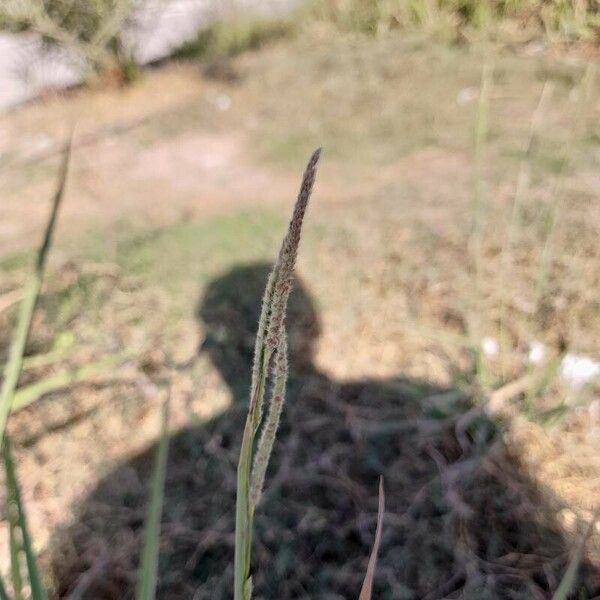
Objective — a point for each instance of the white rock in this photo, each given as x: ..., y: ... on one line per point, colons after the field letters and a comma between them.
x: 594, y: 409
x: 467, y: 95
x: 537, y: 353
x: 490, y: 346
x: 577, y: 370
x: 223, y: 102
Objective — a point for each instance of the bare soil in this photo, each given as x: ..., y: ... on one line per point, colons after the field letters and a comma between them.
x: 179, y: 191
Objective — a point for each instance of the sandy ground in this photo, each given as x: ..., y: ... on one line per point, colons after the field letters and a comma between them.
x: 192, y: 174
x: 386, y: 257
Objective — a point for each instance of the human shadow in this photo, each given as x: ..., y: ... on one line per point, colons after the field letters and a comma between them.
x: 461, y: 520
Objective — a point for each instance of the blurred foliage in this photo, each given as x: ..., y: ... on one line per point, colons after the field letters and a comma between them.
x: 228, y: 39
x: 568, y: 20
x: 94, y: 28
x: 82, y: 18
x: 91, y: 28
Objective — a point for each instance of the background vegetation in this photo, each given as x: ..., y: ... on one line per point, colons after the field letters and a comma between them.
x: 442, y: 333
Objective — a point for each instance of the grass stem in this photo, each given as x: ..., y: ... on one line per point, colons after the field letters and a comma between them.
x: 270, y: 340
x: 12, y: 370
x: 149, y: 567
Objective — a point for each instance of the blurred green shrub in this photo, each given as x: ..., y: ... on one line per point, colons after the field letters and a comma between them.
x: 91, y: 28
x: 225, y: 39
x: 565, y: 20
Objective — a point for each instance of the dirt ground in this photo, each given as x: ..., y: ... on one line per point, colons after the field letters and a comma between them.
x: 179, y: 191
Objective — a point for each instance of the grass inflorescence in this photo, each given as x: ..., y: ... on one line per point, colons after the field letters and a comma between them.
x: 270, y: 344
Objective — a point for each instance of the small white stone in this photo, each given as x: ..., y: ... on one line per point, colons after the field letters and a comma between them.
x: 537, y: 353
x: 490, y: 346
x: 577, y: 370
x: 594, y: 409
x: 223, y: 102
x: 467, y: 95
x: 535, y: 48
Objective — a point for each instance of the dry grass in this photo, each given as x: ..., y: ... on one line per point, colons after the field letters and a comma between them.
x: 461, y: 516
x: 382, y: 373
x: 517, y: 21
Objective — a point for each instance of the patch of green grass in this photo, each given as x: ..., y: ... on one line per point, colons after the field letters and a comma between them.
x: 173, y: 263
x: 64, y: 304
x: 378, y: 120
x: 209, y: 245
x: 372, y: 101
x: 177, y: 260
x: 288, y: 148
x: 14, y: 261
x: 459, y: 20
x: 225, y: 39
x: 553, y: 162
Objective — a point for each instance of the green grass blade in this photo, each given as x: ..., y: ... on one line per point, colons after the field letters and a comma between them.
x: 29, y: 394
x: 243, y: 516
x: 14, y: 365
x: 3, y: 593
x: 568, y: 581
x: 567, y: 584
x: 12, y: 373
x: 15, y: 549
x: 479, y: 208
x: 16, y: 506
x: 149, y: 568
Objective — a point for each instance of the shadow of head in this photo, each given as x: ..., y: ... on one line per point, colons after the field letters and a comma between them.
x: 229, y: 311
x: 462, y: 520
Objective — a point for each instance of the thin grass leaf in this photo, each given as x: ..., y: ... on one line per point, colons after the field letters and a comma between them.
x: 585, y: 91
x: 3, y: 593
x: 367, y: 587
x: 10, y: 298
x: 29, y: 394
x: 243, y: 519
x: 521, y: 192
x: 268, y: 340
x: 16, y: 504
x: 478, y: 210
x: 149, y: 569
x: 12, y: 372
x: 14, y: 365
x: 567, y: 584
x: 14, y: 545
x: 43, y: 360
